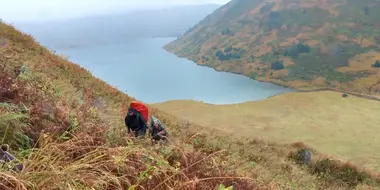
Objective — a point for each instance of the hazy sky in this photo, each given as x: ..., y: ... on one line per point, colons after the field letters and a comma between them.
x: 13, y: 10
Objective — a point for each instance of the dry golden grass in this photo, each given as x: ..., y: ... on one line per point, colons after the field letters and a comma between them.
x: 76, y: 122
x: 364, y: 42
x: 279, y: 74
x: 362, y: 62
x: 312, y: 43
x: 287, y: 61
x: 346, y: 128
x: 318, y: 81
x: 289, y: 42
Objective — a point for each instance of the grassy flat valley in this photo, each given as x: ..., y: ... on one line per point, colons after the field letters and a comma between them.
x: 346, y: 128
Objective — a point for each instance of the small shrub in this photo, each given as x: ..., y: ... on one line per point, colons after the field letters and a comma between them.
x: 377, y: 39
x: 221, y: 56
x: 376, y: 64
x: 267, y: 7
x: 274, y: 14
x: 254, y: 75
x: 227, y: 32
x: 345, y: 95
x: 273, y: 21
x: 335, y: 170
x: 277, y: 65
x: 230, y: 54
x: 297, y: 49
x: 236, y: 55
x: 228, y: 49
x: 366, y: 10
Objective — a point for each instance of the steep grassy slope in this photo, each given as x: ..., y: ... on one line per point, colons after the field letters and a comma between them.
x: 345, y: 128
x: 66, y: 127
x: 302, y: 44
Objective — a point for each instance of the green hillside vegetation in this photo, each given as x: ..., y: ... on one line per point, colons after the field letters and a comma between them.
x: 323, y: 44
x: 67, y: 129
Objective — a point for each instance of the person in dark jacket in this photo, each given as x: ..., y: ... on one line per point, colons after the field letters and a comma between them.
x: 135, y: 123
x: 157, y: 130
x: 6, y: 157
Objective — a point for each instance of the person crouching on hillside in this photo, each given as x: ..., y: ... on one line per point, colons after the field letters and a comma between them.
x: 157, y: 130
x: 135, y: 123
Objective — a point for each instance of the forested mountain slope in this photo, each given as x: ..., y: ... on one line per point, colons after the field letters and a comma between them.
x: 305, y: 44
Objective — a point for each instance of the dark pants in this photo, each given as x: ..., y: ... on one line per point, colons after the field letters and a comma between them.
x: 141, y: 133
x: 157, y: 138
x: 160, y: 137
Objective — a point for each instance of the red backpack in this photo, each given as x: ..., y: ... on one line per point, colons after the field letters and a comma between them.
x: 141, y: 108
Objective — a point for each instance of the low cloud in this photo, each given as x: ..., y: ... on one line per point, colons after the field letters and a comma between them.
x: 13, y: 10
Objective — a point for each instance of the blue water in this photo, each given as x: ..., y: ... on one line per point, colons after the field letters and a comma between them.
x: 144, y: 70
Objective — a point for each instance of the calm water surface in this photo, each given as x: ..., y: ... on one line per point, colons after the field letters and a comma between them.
x: 147, y: 72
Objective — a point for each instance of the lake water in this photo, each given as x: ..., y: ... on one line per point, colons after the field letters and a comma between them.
x: 144, y: 70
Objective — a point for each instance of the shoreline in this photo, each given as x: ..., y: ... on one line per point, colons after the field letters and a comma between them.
x: 312, y: 89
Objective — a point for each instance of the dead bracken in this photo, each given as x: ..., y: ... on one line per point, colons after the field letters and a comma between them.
x: 66, y: 127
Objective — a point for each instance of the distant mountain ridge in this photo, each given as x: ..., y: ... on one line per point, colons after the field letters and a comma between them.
x: 301, y: 44
x: 116, y: 28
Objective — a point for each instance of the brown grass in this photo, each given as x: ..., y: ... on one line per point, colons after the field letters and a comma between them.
x: 76, y: 136
x: 74, y: 125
